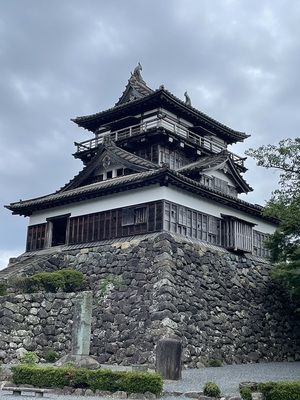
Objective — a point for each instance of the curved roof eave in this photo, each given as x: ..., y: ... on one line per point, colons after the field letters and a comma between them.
x: 162, y: 176
x: 161, y: 97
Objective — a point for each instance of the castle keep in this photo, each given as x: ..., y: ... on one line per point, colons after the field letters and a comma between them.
x: 154, y: 164
x: 155, y: 223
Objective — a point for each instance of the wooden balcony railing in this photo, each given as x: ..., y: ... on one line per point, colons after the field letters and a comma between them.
x: 170, y: 126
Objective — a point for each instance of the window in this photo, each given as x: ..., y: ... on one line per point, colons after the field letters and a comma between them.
x: 220, y: 185
x: 140, y: 215
x: 128, y: 216
x: 258, y: 244
x: 237, y: 234
x: 36, y: 237
x: 174, y: 158
x: 134, y: 215
x: 182, y: 215
x: 188, y: 222
x: 206, y: 180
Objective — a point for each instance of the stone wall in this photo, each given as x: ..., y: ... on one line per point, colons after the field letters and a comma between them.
x: 220, y: 305
x: 35, y: 322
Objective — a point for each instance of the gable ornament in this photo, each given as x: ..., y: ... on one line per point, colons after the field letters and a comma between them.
x: 106, y: 161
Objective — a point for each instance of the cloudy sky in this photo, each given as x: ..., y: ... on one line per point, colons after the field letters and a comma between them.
x: 238, y: 60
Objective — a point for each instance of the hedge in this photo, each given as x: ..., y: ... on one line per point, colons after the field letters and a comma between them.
x: 68, y: 280
x: 280, y: 390
x: 102, y: 379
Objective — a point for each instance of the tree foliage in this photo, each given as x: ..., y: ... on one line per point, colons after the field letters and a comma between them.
x: 284, y: 244
x: 283, y: 157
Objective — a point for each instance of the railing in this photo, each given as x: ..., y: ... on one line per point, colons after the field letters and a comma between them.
x: 164, y: 123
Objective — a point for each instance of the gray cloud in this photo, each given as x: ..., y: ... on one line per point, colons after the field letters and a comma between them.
x: 61, y: 59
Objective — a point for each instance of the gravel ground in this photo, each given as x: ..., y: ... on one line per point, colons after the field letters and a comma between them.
x: 227, y: 378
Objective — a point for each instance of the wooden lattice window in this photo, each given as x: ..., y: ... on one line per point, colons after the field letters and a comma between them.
x: 237, y: 234
x: 134, y: 215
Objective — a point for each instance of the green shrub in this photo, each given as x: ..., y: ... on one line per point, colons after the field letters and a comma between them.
x: 29, y: 358
x: 131, y: 382
x: 51, y: 356
x: 51, y: 281
x: 67, y: 279
x: 106, y: 380
x: 280, y: 390
x: 245, y: 393
x: 142, y: 382
x: 211, y: 389
x: 214, y: 362
x: 36, y: 376
x: 73, y: 279
x: 2, y: 289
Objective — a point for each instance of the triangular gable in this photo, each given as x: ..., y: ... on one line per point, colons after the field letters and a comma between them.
x: 108, y: 154
x: 136, y: 87
x: 220, y: 162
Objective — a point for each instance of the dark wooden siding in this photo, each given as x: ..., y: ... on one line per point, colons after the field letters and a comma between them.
x: 154, y: 217
x: 36, y: 237
x: 110, y: 224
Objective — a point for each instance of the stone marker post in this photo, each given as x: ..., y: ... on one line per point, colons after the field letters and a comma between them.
x: 168, y: 359
x: 81, y: 333
x: 82, y: 320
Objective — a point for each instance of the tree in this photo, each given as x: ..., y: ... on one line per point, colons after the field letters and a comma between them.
x: 284, y: 244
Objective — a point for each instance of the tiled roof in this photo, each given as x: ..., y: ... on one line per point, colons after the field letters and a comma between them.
x: 120, y: 155
x: 205, y: 162
x: 164, y: 176
x: 127, y: 156
x: 161, y: 94
x: 221, y: 159
x: 146, y: 94
x: 92, y: 190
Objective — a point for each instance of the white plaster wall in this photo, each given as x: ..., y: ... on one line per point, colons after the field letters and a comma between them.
x: 144, y: 195
x: 118, y: 200
x: 216, y: 209
x: 221, y: 175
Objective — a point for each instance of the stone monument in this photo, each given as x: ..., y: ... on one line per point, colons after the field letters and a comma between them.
x: 168, y: 359
x: 81, y: 334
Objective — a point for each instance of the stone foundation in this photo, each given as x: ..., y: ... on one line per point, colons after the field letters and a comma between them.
x: 218, y: 304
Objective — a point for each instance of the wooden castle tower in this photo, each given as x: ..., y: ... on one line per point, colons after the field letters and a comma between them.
x: 154, y: 163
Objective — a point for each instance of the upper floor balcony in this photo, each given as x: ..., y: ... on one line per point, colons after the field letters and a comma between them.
x: 208, y: 144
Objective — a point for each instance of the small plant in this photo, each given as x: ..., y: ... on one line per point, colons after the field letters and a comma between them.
x: 29, y: 358
x: 108, y: 282
x: 2, y: 289
x: 69, y: 364
x: 214, y: 362
x: 211, y: 389
x: 245, y: 393
x: 51, y: 356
